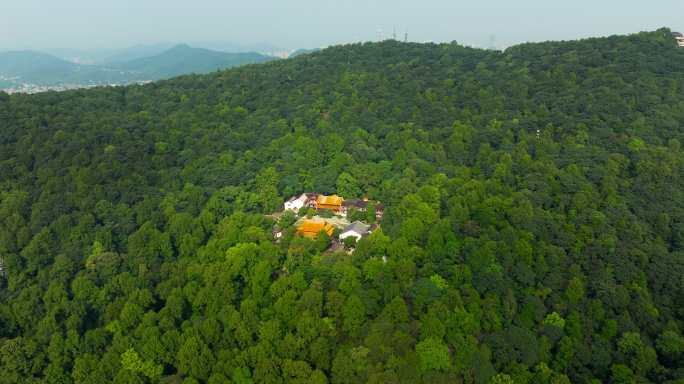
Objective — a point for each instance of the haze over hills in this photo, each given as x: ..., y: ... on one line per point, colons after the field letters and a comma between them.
x: 37, y: 68
x: 19, y: 68
x: 303, y: 51
x: 135, y: 52
x: 18, y: 63
x: 533, y: 226
x: 227, y: 46
x: 107, y: 56
x: 78, y: 56
x: 183, y: 59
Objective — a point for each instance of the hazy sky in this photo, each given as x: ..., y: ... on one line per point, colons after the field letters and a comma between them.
x: 313, y: 23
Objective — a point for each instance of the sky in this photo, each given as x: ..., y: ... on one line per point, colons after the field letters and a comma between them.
x: 290, y: 24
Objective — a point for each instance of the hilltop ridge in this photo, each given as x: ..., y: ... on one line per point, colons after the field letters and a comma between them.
x: 184, y: 59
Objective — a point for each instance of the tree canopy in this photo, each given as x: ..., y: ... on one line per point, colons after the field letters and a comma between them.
x: 533, y: 227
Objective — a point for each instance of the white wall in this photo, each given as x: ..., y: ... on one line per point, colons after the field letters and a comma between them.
x: 344, y: 235
x: 294, y: 205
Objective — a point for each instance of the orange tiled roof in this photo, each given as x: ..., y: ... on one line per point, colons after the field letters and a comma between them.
x: 329, y: 200
x: 313, y: 228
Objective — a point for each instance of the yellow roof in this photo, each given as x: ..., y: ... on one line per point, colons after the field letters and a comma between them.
x: 329, y: 200
x: 310, y: 228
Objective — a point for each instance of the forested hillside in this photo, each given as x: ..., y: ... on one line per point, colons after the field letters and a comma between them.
x: 533, y: 228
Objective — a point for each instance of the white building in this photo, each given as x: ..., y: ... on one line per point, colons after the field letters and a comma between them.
x: 356, y: 229
x: 297, y: 202
x: 679, y: 37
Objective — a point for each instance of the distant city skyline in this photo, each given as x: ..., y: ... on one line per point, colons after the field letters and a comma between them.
x: 287, y: 25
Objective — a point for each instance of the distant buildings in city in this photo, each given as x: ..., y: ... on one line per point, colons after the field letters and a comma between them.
x: 29, y: 88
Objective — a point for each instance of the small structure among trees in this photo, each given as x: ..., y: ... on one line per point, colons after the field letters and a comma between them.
x: 333, y: 202
x: 311, y: 229
x: 354, y: 204
x: 296, y: 203
x: 356, y: 229
x: 358, y: 205
x: 344, y: 222
x: 305, y: 200
x: 679, y: 37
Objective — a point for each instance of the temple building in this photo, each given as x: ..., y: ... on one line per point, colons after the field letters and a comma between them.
x: 312, y: 229
x: 333, y: 202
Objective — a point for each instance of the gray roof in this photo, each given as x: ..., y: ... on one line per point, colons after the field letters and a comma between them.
x: 357, y: 227
x: 355, y: 203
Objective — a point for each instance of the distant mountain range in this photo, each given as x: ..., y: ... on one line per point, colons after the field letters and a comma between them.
x: 145, y: 63
x: 37, y: 68
x: 135, y: 52
x: 113, y: 55
x: 184, y: 59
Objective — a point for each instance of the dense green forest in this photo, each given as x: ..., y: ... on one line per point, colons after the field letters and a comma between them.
x: 533, y: 228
